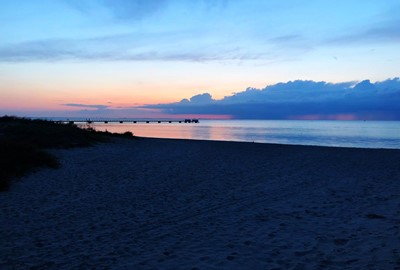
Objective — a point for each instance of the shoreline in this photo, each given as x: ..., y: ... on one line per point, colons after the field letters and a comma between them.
x: 267, y: 143
x: 187, y: 204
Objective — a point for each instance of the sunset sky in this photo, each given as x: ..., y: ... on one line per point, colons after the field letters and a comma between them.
x: 131, y: 58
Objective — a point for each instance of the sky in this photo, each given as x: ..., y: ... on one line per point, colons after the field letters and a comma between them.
x: 141, y: 58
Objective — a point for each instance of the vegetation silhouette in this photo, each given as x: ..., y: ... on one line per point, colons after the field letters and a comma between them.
x: 24, y: 143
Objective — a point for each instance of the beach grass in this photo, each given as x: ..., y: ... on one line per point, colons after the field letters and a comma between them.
x: 24, y: 143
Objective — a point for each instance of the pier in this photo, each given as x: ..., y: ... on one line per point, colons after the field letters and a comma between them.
x: 125, y: 121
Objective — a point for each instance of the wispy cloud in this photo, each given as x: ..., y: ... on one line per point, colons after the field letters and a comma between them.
x: 387, y: 33
x: 120, y: 9
x: 128, y: 47
x: 161, y: 46
x: 136, y: 10
x: 86, y: 106
x: 189, y: 31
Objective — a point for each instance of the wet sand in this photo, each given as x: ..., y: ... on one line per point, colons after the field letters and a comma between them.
x: 179, y: 204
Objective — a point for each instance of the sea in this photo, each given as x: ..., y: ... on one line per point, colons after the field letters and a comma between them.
x: 362, y: 134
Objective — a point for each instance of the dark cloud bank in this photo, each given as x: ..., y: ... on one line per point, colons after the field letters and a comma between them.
x: 300, y: 100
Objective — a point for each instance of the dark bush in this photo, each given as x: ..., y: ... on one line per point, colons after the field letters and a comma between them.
x: 23, y: 143
x: 18, y: 158
x: 127, y: 134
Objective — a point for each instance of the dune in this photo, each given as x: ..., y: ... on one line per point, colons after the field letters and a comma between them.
x: 181, y: 204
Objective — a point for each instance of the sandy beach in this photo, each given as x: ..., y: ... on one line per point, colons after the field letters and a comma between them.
x: 180, y: 204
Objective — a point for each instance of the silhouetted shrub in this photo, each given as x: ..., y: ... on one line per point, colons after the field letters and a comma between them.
x: 48, y: 134
x: 23, y: 142
x: 127, y: 134
x: 17, y: 158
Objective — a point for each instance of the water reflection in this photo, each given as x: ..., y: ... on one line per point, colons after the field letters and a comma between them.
x: 203, y: 132
x: 329, y: 133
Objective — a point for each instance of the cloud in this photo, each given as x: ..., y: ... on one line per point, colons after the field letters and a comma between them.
x: 167, y: 30
x: 85, y: 112
x: 127, y: 47
x: 120, y: 9
x: 134, y: 9
x: 87, y: 106
x: 299, y: 100
x: 168, y: 38
x: 128, y: 11
x: 201, y: 99
x: 387, y: 33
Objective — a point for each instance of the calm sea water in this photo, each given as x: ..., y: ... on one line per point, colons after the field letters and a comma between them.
x: 368, y: 134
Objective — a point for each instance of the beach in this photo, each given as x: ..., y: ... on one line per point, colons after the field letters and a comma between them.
x: 187, y: 204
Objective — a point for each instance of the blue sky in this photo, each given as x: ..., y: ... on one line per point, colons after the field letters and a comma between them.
x: 121, y: 54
